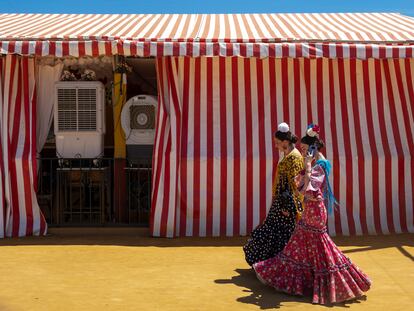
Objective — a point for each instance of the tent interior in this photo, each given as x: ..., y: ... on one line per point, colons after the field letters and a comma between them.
x: 85, y: 203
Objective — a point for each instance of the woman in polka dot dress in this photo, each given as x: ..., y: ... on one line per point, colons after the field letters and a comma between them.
x: 271, y: 236
x: 311, y: 262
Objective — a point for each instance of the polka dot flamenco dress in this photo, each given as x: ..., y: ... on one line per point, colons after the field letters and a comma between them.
x: 311, y: 262
x: 271, y: 236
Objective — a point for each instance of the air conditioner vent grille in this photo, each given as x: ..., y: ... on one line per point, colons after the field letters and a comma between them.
x: 77, y: 109
x: 67, y: 120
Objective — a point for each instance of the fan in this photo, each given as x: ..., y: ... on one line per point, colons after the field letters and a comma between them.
x: 142, y: 117
x: 138, y: 120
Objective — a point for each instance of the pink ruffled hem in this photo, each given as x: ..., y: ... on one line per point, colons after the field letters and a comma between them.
x: 336, y: 284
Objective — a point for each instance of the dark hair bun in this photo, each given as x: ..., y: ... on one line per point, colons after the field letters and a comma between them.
x: 309, y: 140
x: 286, y: 136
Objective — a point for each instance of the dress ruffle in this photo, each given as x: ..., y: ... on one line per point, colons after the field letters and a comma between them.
x: 311, y: 262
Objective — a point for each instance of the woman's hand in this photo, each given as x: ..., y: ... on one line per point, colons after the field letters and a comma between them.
x: 297, y: 181
x: 297, y: 193
x: 308, y: 164
x: 286, y: 213
x: 308, y: 160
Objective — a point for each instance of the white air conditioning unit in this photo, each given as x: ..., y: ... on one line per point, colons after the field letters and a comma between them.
x: 79, y: 119
x: 138, y: 120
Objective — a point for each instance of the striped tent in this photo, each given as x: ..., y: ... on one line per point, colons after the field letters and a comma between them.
x: 213, y: 170
x: 247, y: 35
x: 20, y: 214
x: 355, y: 27
x: 214, y: 161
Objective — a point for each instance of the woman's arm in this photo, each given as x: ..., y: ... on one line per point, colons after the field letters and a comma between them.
x: 294, y: 167
x: 308, y: 172
x: 314, y: 181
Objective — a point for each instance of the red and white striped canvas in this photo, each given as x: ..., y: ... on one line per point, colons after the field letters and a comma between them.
x: 361, y: 27
x: 214, y: 156
x: 22, y: 215
x: 385, y: 35
x: 2, y: 198
x: 95, y: 48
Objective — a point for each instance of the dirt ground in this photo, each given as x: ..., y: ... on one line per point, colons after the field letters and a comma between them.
x: 124, y: 269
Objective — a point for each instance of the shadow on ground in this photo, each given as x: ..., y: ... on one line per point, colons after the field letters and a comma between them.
x: 140, y: 237
x: 266, y: 297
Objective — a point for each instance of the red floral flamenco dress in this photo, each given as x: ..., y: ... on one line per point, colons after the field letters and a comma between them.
x: 311, y: 262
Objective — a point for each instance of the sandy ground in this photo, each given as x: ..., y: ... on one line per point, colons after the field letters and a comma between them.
x: 123, y: 269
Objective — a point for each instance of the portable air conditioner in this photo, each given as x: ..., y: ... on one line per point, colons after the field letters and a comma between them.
x: 79, y: 119
x: 139, y: 122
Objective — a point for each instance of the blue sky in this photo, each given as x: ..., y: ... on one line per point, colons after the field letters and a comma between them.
x: 208, y: 6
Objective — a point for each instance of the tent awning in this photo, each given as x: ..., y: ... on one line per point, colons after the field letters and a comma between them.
x: 361, y: 27
x: 297, y: 35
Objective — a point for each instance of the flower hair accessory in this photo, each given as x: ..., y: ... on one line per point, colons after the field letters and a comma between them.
x: 283, y: 127
x: 313, y: 130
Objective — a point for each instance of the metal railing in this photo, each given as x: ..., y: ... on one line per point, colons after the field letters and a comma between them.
x: 139, y: 192
x: 90, y: 192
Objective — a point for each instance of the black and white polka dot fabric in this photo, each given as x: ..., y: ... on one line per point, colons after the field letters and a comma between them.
x: 272, y: 235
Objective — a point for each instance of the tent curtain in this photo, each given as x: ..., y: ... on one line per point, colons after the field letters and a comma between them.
x: 21, y: 215
x: 214, y: 159
x: 45, y: 81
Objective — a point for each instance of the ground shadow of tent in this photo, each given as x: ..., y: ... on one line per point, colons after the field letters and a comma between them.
x: 140, y: 237
x: 369, y: 243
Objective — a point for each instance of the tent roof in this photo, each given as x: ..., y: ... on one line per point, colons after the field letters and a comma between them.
x: 338, y: 27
